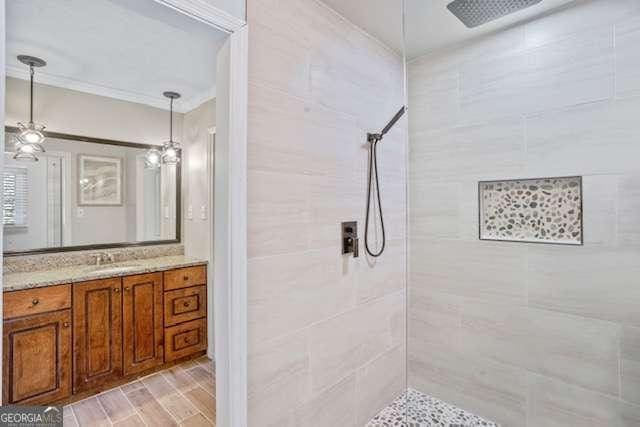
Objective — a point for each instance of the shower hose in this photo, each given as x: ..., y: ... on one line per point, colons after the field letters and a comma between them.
x: 373, y: 174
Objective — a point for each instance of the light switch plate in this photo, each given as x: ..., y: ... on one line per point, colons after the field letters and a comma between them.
x: 203, y: 212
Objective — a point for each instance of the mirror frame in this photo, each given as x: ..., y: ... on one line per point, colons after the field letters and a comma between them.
x: 78, y: 138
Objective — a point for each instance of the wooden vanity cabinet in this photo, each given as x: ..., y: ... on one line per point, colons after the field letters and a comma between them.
x: 82, y: 338
x: 142, y: 322
x: 97, y: 333
x: 37, y: 359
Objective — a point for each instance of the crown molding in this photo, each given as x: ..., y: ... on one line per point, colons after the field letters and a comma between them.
x: 204, y: 11
x: 196, y: 101
x: 182, y: 106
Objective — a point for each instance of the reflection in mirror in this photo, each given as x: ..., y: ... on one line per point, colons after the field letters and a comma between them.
x: 82, y: 193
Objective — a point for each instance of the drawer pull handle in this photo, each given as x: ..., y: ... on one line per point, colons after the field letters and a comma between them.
x: 116, y: 290
x: 35, y: 301
x: 126, y: 289
x: 185, y: 278
x: 65, y: 325
x: 186, y: 303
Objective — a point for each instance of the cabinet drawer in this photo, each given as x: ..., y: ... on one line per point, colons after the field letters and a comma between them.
x: 185, y: 339
x: 185, y: 277
x: 35, y: 301
x: 183, y: 305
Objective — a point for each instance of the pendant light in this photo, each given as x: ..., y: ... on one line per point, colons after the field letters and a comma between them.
x: 170, y: 153
x: 29, y: 140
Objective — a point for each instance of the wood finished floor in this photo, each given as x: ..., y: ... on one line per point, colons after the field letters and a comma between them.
x: 183, y: 395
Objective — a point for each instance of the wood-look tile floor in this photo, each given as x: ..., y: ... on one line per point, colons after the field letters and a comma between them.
x: 183, y: 395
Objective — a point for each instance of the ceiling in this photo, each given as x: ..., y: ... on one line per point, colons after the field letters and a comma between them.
x: 429, y: 24
x: 129, y: 50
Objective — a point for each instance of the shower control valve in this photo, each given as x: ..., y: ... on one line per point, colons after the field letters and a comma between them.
x: 350, y: 241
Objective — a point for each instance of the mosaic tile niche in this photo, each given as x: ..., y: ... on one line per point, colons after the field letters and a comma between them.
x: 545, y: 210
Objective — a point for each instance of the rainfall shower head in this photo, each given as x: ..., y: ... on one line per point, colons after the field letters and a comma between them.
x: 473, y: 13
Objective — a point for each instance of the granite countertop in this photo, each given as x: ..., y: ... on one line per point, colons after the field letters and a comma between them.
x: 81, y: 273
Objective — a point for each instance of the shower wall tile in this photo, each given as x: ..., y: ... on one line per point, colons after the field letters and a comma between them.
x: 378, y: 383
x: 595, y: 283
x: 279, y: 217
x: 596, y: 138
x: 435, y: 100
x: 451, y: 58
x: 335, y: 406
x: 318, y: 84
x: 630, y: 355
x: 435, y: 208
x: 293, y: 291
x: 628, y: 57
x: 276, y: 135
x: 557, y: 324
x: 578, y: 350
x: 487, y: 388
x: 278, y: 60
x: 600, y: 199
x: 483, y: 151
x: 582, y: 17
x: 574, y: 70
x: 344, y: 343
x: 381, y: 276
x: 489, y: 271
x: 278, y: 379
x: 629, y: 206
x: 434, y: 319
x: 555, y: 403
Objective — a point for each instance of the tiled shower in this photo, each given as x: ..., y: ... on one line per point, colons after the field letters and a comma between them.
x: 508, y: 294
x: 539, y: 333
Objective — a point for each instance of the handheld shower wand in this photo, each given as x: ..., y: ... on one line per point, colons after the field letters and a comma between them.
x: 373, y: 139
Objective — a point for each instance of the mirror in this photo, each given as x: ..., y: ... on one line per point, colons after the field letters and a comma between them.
x: 85, y: 192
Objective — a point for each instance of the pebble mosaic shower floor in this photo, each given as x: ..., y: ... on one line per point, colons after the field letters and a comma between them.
x: 415, y: 409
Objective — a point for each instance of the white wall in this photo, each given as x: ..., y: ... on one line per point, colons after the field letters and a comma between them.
x: 197, y: 189
x: 529, y: 335
x: 78, y: 113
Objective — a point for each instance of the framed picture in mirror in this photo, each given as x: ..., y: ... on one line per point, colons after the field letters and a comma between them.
x: 99, y: 181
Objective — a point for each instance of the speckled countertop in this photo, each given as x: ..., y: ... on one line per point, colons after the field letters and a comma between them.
x: 81, y: 273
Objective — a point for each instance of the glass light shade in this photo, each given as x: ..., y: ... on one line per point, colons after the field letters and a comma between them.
x: 171, y: 153
x: 30, y: 133
x: 153, y: 158
x: 26, y: 152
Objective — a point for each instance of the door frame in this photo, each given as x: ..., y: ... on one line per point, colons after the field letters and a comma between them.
x: 230, y: 273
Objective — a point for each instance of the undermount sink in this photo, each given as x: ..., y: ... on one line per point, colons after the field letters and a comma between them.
x: 113, y: 269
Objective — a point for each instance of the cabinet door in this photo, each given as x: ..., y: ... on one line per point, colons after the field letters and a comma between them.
x: 37, y: 359
x: 97, y: 332
x: 142, y: 320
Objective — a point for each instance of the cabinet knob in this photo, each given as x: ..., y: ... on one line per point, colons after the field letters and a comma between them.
x: 185, y: 278
x: 126, y: 289
x: 35, y: 301
x: 65, y: 325
x: 116, y: 290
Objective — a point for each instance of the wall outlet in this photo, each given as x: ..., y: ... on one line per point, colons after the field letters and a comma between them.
x: 203, y: 212
x: 189, y: 212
